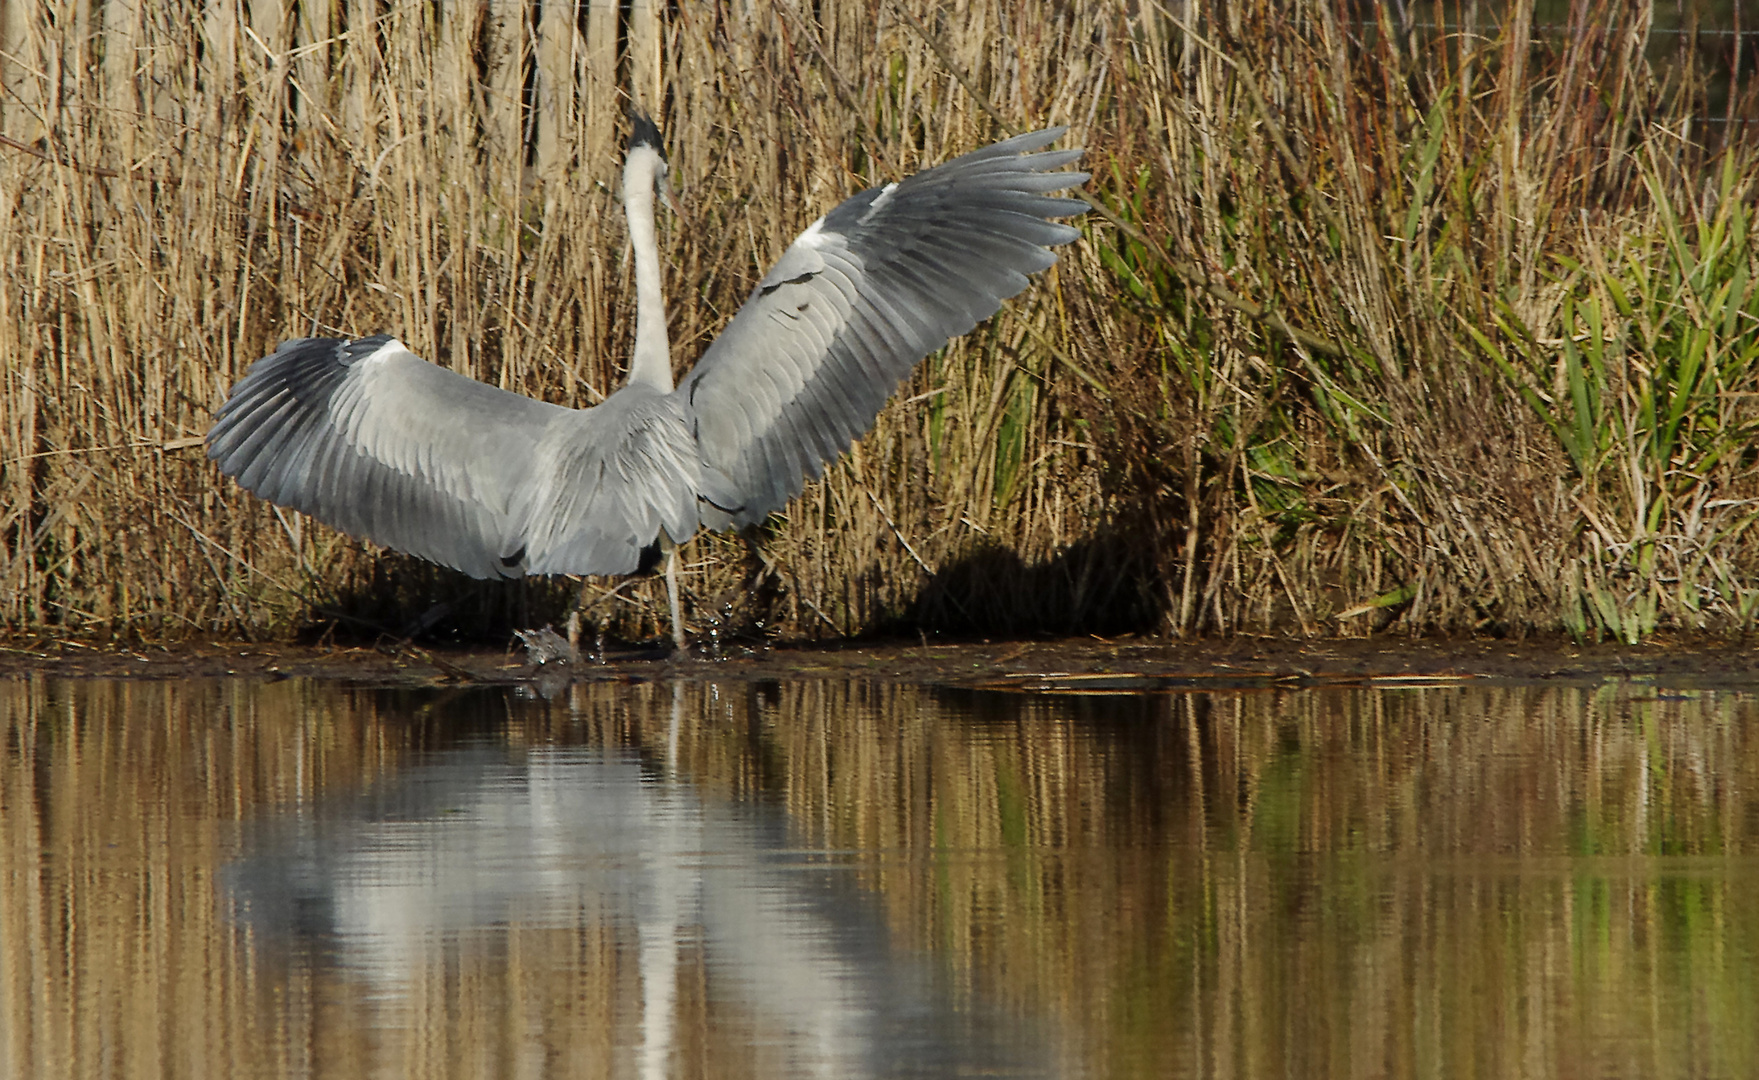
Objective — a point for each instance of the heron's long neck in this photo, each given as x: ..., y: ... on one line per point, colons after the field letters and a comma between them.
x: 652, y: 362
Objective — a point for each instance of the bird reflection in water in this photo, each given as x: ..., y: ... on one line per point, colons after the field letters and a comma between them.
x: 472, y: 844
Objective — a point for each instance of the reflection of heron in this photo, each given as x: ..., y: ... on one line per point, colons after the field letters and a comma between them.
x: 374, y: 440
x: 386, y: 887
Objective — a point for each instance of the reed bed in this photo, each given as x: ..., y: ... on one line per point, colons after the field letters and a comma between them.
x: 1376, y: 326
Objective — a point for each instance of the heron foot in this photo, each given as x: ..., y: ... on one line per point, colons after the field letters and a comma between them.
x: 544, y: 647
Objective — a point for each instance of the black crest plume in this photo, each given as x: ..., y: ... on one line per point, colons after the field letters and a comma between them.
x: 644, y: 132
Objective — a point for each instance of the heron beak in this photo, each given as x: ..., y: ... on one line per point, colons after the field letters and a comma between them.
x: 664, y: 190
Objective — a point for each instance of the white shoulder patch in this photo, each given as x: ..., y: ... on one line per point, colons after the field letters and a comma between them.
x: 814, y: 236
x: 386, y: 351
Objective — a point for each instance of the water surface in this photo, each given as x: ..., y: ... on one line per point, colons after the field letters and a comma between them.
x: 847, y: 878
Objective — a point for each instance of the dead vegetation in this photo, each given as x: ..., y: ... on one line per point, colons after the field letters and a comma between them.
x: 1381, y: 327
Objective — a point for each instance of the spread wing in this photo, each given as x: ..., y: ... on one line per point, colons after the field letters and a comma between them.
x: 868, y: 290
x: 370, y: 438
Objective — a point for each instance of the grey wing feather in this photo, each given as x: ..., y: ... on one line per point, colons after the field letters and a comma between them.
x: 868, y: 290
x: 367, y: 437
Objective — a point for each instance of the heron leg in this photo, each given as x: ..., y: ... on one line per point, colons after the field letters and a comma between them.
x: 672, y: 597
x: 753, y: 540
x: 574, y: 611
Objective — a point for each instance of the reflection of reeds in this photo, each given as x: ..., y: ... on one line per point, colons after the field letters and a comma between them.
x: 1380, y: 326
x: 1325, y: 883
x: 1343, y: 880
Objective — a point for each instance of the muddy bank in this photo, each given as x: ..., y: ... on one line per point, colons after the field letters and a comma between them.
x: 1071, y: 665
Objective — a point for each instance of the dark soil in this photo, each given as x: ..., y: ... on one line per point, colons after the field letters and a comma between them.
x: 1067, y: 665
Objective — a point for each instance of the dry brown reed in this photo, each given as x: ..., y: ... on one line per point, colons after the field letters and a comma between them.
x: 1311, y: 372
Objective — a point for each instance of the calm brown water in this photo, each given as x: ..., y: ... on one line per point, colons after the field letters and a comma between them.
x: 847, y: 879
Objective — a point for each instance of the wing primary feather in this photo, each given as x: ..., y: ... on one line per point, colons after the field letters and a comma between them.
x: 257, y: 454
x: 905, y: 267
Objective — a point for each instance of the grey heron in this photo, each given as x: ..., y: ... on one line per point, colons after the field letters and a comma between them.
x: 365, y: 436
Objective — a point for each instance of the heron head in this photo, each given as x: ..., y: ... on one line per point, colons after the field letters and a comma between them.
x: 646, y: 163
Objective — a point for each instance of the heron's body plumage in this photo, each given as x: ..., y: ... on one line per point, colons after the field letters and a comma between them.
x: 372, y: 439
